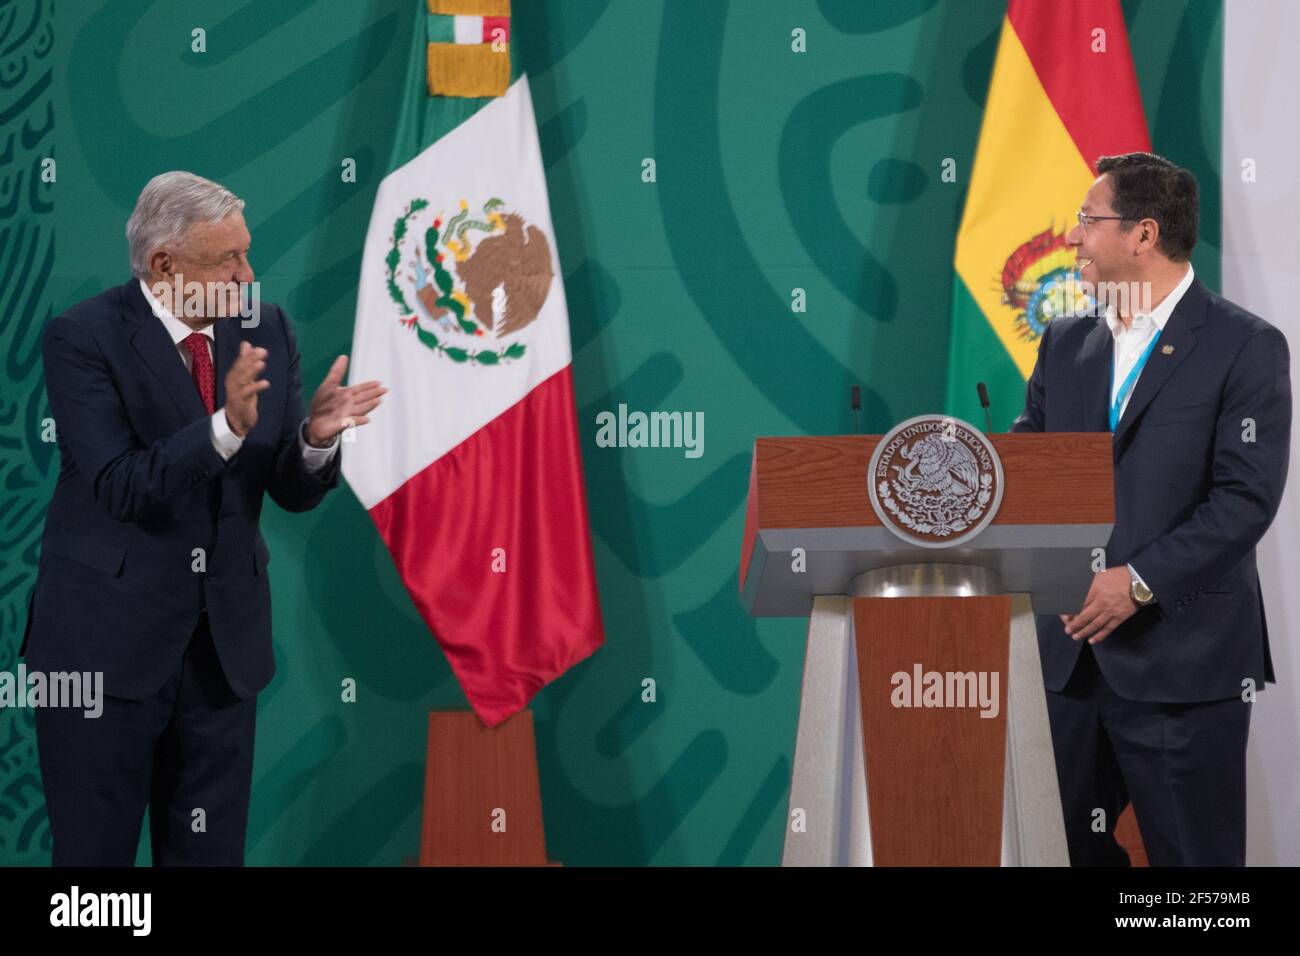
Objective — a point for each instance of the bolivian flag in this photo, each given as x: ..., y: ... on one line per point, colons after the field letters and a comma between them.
x: 1063, y: 94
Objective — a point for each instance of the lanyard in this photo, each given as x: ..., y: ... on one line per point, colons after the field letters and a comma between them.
x: 1129, y: 381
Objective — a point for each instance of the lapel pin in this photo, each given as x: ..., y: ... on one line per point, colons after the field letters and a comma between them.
x: 1168, y: 350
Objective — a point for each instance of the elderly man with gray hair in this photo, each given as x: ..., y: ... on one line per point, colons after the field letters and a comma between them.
x: 176, y: 408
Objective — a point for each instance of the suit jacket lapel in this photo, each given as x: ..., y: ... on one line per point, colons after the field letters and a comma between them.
x: 1094, y: 368
x: 151, y: 342
x: 1178, y: 333
x: 227, y: 350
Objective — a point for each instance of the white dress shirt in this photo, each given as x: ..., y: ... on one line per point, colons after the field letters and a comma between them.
x: 225, y: 441
x: 1131, y: 342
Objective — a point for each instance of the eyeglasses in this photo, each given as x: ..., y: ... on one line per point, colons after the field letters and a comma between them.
x: 1085, y: 220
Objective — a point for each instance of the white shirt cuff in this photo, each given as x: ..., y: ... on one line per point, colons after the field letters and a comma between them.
x: 224, y: 440
x: 313, y: 458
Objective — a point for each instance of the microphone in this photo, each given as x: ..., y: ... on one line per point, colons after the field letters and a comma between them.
x: 855, y: 398
x: 984, y: 401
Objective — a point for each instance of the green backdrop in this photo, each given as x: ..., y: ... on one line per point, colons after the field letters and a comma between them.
x: 775, y: 170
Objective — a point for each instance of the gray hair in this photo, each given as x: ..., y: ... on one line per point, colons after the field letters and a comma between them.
x: 168, y: 205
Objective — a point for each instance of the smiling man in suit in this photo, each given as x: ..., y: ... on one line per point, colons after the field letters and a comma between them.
x: 175, y: 414
x: 1150, y: 683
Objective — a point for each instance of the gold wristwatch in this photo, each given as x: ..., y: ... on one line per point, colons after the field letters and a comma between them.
x: 1139, y: 592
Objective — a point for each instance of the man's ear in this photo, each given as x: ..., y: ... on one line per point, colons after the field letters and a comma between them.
x: 161, y: 278
x: 161, y: 263
x: 1150, y: 233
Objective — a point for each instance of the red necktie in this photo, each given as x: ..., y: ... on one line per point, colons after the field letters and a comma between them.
x: 201, y: 369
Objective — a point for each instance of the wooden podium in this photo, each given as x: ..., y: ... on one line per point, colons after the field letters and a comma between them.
x: 883, y: 775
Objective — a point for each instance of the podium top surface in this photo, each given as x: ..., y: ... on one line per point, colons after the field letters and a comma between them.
x: 811, y: 492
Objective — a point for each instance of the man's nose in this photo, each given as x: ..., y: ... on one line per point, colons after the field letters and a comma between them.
x: 245, y: 272
x: 1075, y: 236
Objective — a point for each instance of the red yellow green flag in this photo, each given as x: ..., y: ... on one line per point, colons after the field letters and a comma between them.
x: 1063, y: 94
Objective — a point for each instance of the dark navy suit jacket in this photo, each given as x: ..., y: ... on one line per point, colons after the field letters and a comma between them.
x: 140, y: 488
x: 1192, y: 495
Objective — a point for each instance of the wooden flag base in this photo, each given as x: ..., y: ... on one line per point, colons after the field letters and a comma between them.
x: 482, y: 800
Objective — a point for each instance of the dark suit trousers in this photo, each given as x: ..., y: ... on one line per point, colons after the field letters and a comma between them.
x: 187, y: 748
x: 1183, y: 766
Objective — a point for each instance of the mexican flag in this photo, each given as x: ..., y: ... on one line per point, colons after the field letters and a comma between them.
x: 471, y: 468
x: 1063, y: 94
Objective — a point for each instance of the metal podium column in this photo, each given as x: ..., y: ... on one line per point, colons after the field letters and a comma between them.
x: 829, y: 820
